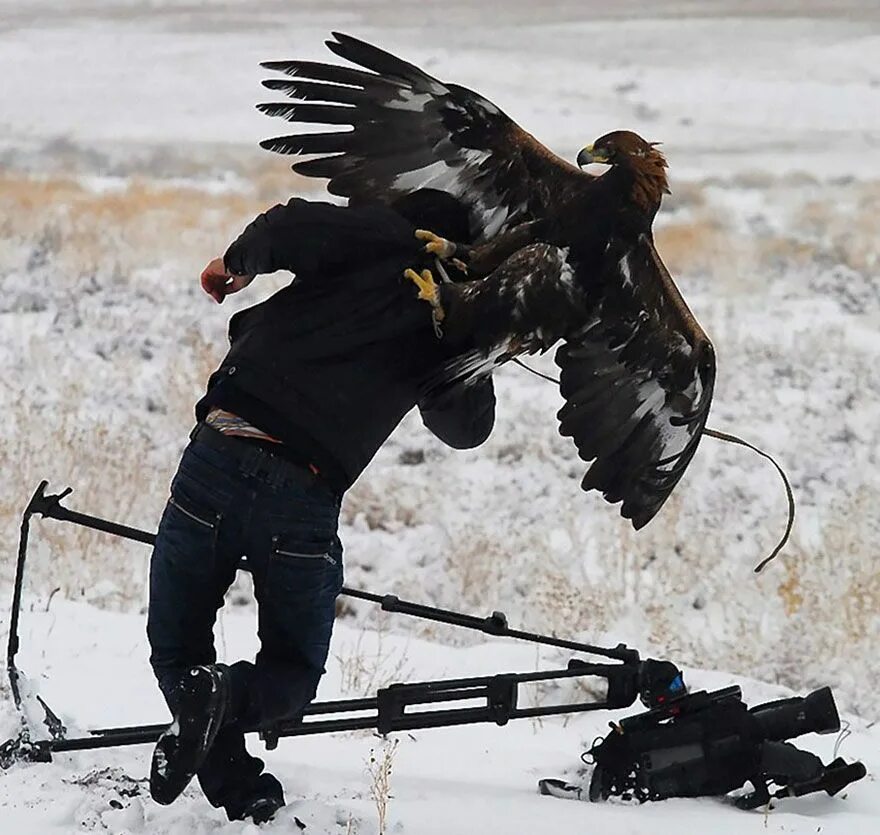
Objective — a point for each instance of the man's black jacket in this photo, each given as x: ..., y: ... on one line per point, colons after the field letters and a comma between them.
x: 332, y: 362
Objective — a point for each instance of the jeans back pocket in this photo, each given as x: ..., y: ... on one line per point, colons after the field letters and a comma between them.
x: 303, y: 566
x: 188, y: 532
x: 208, y: 519
x: 291, y: 548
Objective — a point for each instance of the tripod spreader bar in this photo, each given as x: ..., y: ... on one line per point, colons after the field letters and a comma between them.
x: 495, y: 624
x: 497, y: 693
x: 49, y: 506
x: 386, y: 712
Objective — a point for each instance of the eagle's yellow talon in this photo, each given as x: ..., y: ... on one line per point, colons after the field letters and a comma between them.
x: 425, y: 283
x: 436, y: 245
x: 428, y: 290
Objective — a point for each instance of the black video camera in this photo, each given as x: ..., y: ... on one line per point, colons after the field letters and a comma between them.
x: 703, y: 743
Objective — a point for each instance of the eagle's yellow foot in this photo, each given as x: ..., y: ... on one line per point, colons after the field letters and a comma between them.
x: 428, y: 289
x: 436, y: 245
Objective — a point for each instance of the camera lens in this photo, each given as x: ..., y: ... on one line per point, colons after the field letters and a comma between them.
x: 789, y: 718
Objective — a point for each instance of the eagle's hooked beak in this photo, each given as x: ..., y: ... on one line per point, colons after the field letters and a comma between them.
x: 590, y: 154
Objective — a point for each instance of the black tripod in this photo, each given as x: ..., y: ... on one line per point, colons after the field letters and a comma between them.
x: 629, y: 678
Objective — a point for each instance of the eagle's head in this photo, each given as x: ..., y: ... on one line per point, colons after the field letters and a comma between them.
x: 621, y: 147
x: 625, y: 149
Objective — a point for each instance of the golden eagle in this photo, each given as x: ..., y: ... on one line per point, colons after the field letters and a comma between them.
x: 559, y: 254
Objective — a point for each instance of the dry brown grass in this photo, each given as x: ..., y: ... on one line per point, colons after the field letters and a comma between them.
x: 696, y: 245
x: 847, y: 228
x: 835, y: 223
x: 379, y: 767
x: 368, y: 501
x: 132, y: 226
x: 368, y: 664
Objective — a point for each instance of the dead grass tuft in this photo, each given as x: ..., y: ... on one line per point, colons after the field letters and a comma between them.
x: 125, y: 228
x: 694, y: 246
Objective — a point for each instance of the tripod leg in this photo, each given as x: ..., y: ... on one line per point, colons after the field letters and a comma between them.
x: 759, y: 797
x: 835, y: 777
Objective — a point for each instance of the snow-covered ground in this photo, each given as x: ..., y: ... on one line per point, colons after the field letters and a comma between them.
x: 472, y: 779
x: 727, y: 89
x: 128, y: 158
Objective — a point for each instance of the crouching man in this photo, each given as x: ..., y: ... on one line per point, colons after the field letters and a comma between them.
x: 316, y: 378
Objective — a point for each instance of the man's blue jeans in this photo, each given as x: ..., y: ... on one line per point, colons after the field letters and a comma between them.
x: 224, y: 506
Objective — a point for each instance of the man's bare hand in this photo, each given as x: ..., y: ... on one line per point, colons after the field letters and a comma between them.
x: 218, y: 283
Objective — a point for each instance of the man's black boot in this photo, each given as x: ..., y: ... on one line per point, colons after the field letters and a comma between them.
x: 257, y: 800
x: 263, y: 809
x: 181, y: 750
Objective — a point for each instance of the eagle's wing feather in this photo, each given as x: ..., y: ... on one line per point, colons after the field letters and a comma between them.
x: 638, y: 382
x: 409, y: 131
x: 523, y: 306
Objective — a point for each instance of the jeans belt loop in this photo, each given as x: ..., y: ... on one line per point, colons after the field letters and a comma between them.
x: 248, y: 459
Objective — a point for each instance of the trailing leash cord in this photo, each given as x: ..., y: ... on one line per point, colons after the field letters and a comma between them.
x: 841, y: 737
x: 727, y: 438
x: 733, y: 439
x: 536, y: 372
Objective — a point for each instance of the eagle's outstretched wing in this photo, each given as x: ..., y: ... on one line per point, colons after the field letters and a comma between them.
x: 410, y: 131
x: 638, y: 383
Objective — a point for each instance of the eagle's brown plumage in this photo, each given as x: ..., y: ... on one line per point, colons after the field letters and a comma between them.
x: 647, y: 164
x: 561, y: 254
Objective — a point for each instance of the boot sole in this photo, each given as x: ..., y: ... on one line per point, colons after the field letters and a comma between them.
x: 165, y: 788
